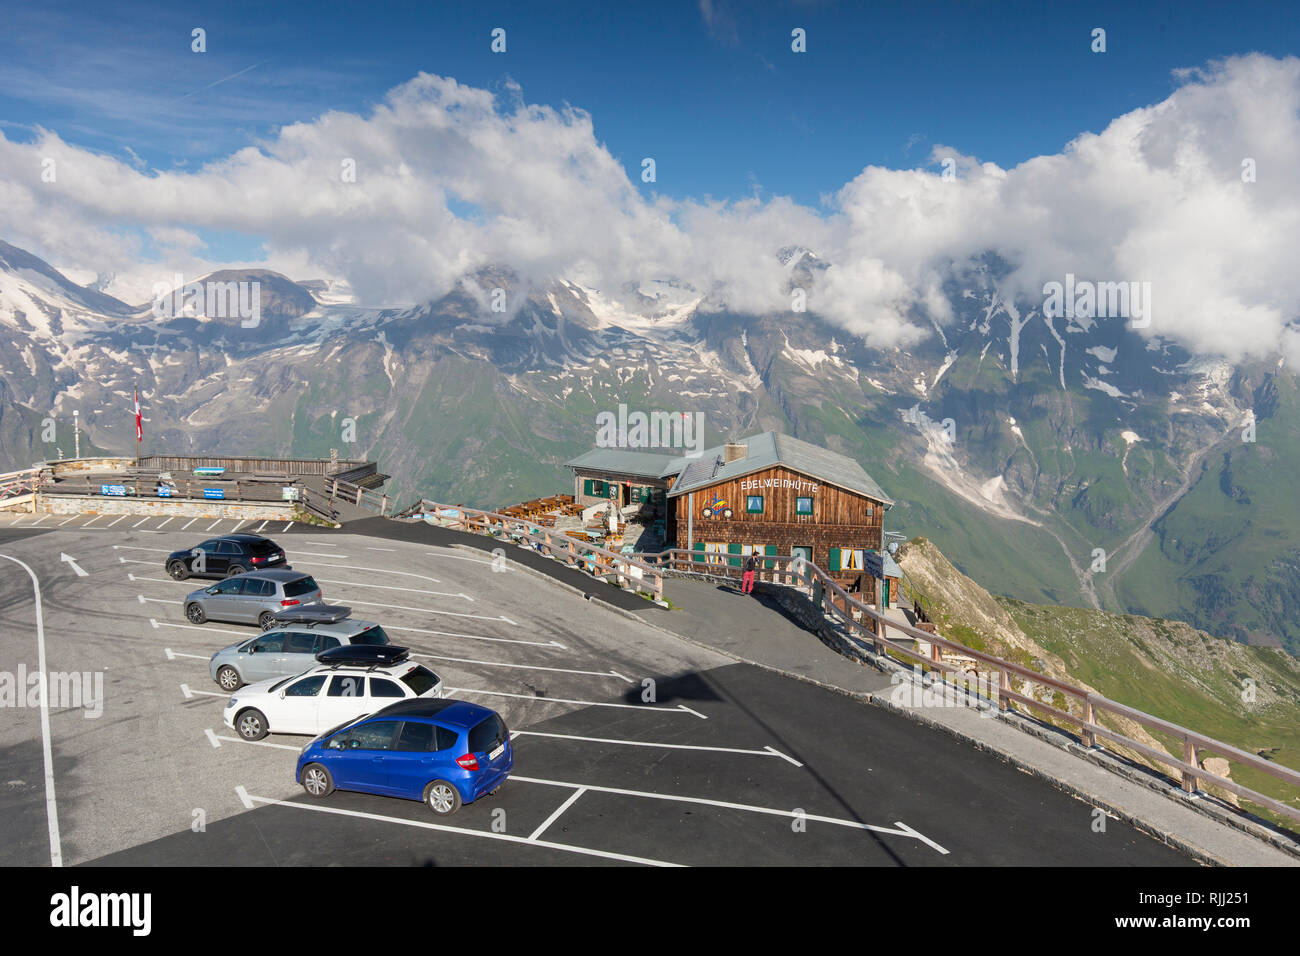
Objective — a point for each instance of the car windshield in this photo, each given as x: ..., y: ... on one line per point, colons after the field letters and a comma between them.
x: 373, y: 636
x: 420, y: 679
x: 300, y: 587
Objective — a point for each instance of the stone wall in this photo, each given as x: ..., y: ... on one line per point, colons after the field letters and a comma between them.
x: 214, y: 508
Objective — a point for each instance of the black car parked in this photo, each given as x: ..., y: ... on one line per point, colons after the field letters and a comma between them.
x: 224, y: 556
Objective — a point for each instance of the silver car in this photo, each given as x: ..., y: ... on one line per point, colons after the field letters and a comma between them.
x: 252, y: 598
x: 290, y: 647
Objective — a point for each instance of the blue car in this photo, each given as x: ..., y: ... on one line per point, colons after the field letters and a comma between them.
x: 439, y: 751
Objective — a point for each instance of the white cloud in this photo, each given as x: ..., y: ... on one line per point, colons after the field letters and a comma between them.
x: 1155, y: 197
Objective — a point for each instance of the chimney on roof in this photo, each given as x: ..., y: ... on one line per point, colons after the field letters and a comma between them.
x: 734, y: 451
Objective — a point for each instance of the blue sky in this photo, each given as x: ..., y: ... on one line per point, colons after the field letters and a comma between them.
x: 721, y: 102
x: 175, y: 161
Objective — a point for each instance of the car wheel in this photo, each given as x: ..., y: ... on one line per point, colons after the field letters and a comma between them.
x: 196, y: 614
x: 442, y: 797
x: 316, y: 780
x: 229, y: 678
x: 234, y: 569
x: 251, y: 725
x: 178, y: 570
x: 267, y: 620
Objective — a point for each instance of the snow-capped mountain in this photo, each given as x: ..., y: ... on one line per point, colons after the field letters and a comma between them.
x: 1026, y: 447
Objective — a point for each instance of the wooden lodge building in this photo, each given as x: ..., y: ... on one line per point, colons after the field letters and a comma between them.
x: 768, y: 494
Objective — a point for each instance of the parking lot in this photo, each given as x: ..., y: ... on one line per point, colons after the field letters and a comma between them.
x: 631, y: 746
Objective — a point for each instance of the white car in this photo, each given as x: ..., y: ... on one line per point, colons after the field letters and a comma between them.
x: 325, y: 697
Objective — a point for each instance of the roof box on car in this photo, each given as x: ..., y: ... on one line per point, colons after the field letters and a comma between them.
x: 372, y: 655
x: 313, y: 614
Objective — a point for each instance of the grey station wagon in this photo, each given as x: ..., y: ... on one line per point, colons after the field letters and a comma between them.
x: 290, y: 647
x: 252, y: 598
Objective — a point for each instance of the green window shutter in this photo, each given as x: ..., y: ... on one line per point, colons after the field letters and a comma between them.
x: 769, y: 550
x: 699, y: 546
x: 835, y: 559
x: 587, y: 488
x: 736, y: 561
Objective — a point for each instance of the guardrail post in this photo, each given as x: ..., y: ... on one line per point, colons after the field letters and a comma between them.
x: 1189, y: 757
x: 1004, y: 686
x: 1089, y: 738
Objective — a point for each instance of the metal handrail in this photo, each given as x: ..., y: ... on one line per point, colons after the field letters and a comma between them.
x: 836, y: 601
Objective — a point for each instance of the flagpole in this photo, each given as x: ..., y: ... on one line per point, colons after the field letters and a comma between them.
x: 139, y: 432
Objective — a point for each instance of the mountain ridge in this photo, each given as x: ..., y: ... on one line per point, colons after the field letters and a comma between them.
x: 1021, y: 444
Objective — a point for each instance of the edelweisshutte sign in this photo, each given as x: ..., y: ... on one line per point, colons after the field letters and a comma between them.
x: 797, y: 484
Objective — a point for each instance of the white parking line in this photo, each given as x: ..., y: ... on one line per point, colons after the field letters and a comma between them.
x: 143, y: 600
x: 194, y: 627
x: 527, y: 667
x: 287, y: 526
x: 248, y: 801
x: 214, y: 524
x: 564, y: 700
x: 39, y: 520
x: 172, y: 518
x: 134, y: 577
x: 172, y: 655
x: 390, y: 587
x: 429, y: 610
x: 361, y: 567
x: 903, y: 829
x: 136, y: 547
x: 138, y: 523
x: 188, y: 523
x: 455, y: 557
x: 261, y: 526
x: 475, y: 637
x: 185, y: 689
x: 765, y: 752
x: 51, y: 805
x: 381, y: 549
x: 532, y: 838
x: 238, y: 526
x: 92, y: 521
x: 67, y: 519
x: 215, y: 740
x: 111, y: 523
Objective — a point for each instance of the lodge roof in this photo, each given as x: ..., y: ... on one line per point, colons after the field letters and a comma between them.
x: 769, y: 449
x: 764, y: 450
x: 642, y: 464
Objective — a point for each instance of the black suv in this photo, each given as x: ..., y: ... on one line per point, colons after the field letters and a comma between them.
x: 224, y: 556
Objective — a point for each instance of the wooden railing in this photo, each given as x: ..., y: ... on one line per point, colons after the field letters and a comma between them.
x: 375, y: 501
x: 866, y: 625
x: 626, y: 570
x: 249, y: 465
x: 15, y: 482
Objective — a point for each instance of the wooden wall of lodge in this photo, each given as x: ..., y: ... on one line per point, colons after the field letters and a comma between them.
x: 840, y: 519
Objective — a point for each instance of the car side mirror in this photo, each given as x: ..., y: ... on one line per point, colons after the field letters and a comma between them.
x: 211, y: 590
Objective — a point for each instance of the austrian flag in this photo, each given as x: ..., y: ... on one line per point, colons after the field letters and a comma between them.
x: 139, y: 422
